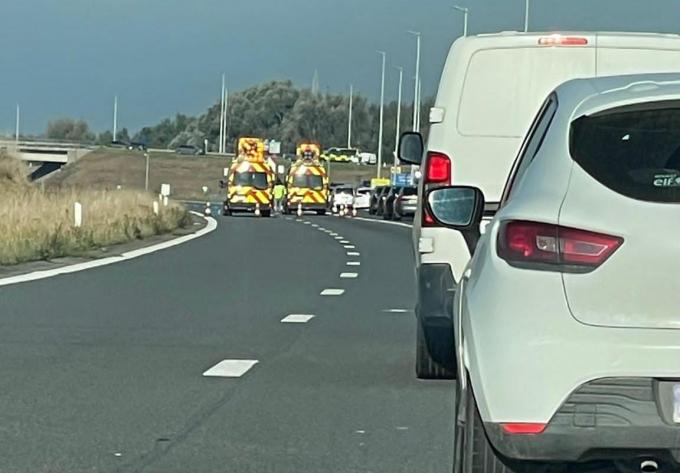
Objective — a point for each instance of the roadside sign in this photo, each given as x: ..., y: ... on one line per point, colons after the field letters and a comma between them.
x: 375, y: 182
x: 403, y: 179
x: 165, y: 190
x: 274, y: 147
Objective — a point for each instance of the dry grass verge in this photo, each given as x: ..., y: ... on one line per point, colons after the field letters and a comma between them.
x: 38, y: 224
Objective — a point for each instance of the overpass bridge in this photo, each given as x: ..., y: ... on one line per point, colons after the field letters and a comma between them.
x: 45, y: 157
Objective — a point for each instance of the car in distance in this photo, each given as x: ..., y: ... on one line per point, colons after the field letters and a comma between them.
x: 189, y: 150
x: 362, y: 198
x: 375, y: 199
x: 566, y: 319
x: 406, y: 203
x: 477, y: 126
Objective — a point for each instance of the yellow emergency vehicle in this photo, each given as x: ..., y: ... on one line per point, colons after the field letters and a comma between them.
x: 250, y: 182
x: 307, y: 182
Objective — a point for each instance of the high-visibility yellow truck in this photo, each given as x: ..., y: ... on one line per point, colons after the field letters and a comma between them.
x: 307, y: 182
x: 250, y: 182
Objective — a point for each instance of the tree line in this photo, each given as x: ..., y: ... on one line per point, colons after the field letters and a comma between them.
x: 274, y: 110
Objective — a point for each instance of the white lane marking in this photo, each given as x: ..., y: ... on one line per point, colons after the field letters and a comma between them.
x: 230, y: 368
x: 339, y: 238
x: 387, y: 222
x: 299, y: 220
x: 332, y: 233
x: 353, y: 263
x: 344, y: 242
x: 314, y: 225
x: 349, y: 275
x: 397, y: 311
x: 353, y: 253
x: 297, y: 318
x: 349, y: 247
x: 74, y: 268
x: 307, y: 223
x: 332, y: 292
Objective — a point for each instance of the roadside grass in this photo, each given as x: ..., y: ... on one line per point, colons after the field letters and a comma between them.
x: 109, y: 168
x: 38, y: 224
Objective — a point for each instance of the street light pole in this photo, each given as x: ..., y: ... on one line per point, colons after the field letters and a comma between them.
x: 382, y: 112
x: 115, y: 116
x: 225, y: 97
x: 397, y: 131
x: 526, y: 15
x: 220, y: 145
x: 465, y: 12
x: 349, y: 118
x: 416, y: 97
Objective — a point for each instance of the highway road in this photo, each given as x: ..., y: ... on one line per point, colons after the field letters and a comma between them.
x: 103, y: 370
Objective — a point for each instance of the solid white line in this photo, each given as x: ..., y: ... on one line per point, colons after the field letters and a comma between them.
x: 230, y: 368
x: 349, y: 247
x: 353, y: 253
x: 74, y: 268
x: 332, y: 292
x: 297, y: 319
x: 387, y: 222
x: 349, y: 275
x: 353, y: 263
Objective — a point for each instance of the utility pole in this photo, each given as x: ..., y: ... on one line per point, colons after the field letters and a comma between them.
x: 220, y: 145
x: 398, y: 128
x: 382, y: 112
x: 465, y: 12
x: 16, y: 131
x: 315, y: 82
x: 416, y: 97
x: 420, y: 95
x: 115, y: 116
x: 146, y: 173
x: 526, y: 15
x: 349, y: 118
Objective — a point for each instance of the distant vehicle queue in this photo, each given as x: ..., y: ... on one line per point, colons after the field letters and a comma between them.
x: 255, y: 184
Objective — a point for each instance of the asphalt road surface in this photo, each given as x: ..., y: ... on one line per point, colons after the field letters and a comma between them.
x: 103, y: 370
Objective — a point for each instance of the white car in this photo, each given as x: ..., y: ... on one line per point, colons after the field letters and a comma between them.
x: 362, y: 198
x: 567, y: 319
x: 490, y: 89
x: 342, y: 201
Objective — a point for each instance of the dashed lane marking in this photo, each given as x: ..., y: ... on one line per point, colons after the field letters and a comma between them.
x: 332, y: 292
x: 353, y: 263
x: 349, y: 275
x: 344, y: 242
x: 230, y: 368
x: 353, y: 253
x: 349, y: 247
x: 339, y: 237
x: 397, y: 311
x: 297, y: 318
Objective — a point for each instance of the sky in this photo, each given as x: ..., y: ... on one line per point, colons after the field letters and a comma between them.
x: 69, y: 58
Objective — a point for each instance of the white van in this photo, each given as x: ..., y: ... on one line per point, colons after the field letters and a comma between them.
x: 491, y: 88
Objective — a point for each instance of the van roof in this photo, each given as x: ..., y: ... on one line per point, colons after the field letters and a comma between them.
x: 594, y: 39
x: 535, y: 34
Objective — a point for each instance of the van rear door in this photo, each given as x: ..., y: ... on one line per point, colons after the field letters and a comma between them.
x: 636, y: 53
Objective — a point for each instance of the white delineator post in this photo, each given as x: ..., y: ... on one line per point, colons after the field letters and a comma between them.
x: 155, y: 207
x: 77, y: 215
x: 165, y: 201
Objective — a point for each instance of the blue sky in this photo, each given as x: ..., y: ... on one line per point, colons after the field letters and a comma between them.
x: 70, y: 57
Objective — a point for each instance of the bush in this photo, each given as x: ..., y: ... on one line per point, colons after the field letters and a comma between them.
x: 38, y: 224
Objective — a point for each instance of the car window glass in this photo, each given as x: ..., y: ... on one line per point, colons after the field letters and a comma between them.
x: 531, y: 145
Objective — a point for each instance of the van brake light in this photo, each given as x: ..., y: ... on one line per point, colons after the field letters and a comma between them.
x: 559, y: 40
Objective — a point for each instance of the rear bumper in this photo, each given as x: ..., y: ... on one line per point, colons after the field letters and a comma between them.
x: 307, y: 205
x: 245, y: 206
x: 612, y: 418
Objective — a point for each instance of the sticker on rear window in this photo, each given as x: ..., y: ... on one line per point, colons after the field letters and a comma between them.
x: 666, y: 180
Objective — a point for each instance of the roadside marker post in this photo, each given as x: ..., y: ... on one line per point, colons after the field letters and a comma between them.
x: 77, y: 215
x: 155, y: 207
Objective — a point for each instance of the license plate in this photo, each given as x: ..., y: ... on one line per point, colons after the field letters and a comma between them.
x: 676, y: 403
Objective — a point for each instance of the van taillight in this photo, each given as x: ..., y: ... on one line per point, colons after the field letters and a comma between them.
x: 438, y: 168
x: 552, y: 247
x: 437, y: 172
x: 559, y: 40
